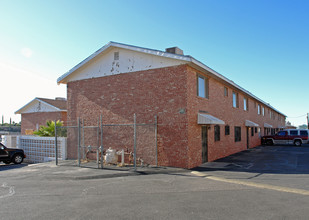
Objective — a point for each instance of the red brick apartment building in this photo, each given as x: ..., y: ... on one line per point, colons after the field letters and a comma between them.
x: 38, y: 111
x: 202, y: 115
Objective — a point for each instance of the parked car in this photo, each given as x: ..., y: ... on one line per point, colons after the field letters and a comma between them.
x: 9, y: 155
x: 288, y: 136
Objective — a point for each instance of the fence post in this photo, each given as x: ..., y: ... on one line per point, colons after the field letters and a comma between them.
x: 101, y: 125
x: 56, y: 143
x: 83, y: 142
x: 78, y: 147
x: 98, y: 139
x: 134, y: 142
x: 156, y: 138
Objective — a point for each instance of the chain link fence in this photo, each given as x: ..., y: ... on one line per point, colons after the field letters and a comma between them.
x: 95, y: 144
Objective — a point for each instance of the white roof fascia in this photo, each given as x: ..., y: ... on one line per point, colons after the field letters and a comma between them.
x: 19, y: 111
x: 196, y: 62
x: 128, y: 47
x: 167, y: 55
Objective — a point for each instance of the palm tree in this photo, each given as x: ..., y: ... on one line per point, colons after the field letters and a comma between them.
x: 49, y: 129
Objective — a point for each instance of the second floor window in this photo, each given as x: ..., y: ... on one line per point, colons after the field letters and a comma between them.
x: 259, y: 109
x: 235, y: 100
x: 202, y: 86
x: 245, y: 104
x: 226, y: 92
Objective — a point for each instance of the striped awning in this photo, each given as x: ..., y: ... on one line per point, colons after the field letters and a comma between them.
x: 251, y: 124
x: 205, y: 119
x: 267, y: 125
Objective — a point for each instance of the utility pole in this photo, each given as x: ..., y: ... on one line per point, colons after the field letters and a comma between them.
x: 307, y: 120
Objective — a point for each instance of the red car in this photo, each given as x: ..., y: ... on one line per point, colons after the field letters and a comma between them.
x: 289, y: 136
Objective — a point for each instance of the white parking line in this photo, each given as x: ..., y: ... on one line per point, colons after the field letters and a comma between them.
x: 253, y: 184
x: 11, y: 190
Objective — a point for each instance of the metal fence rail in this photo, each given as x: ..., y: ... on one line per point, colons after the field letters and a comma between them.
x: 135, y: 143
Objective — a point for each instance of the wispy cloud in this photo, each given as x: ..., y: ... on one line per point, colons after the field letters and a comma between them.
x: 26, y: 52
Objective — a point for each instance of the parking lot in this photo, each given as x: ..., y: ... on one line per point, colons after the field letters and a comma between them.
x: 267, y: 182
x: 284, y: 159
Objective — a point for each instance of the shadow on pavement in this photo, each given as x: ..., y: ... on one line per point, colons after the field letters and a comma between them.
x: 283, y: 159
x: 11, y: 166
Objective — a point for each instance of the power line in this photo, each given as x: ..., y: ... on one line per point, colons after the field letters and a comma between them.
x: 298, y: 116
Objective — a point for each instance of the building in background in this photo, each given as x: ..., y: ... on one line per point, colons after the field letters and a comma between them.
x: 39, y: 110
x: 202, y: 115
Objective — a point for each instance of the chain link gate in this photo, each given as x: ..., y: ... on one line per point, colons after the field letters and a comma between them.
x: 94, y: 144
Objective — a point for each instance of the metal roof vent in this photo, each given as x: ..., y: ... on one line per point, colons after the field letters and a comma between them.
x: 174, y: 50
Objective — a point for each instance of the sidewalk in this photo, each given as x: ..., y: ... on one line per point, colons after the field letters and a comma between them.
x: 70, y: 170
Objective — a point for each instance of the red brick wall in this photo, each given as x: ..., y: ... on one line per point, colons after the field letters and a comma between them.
x: 30, y: 120
x: 221, y: 107
x: 169, y: 93
x: 148, y: 93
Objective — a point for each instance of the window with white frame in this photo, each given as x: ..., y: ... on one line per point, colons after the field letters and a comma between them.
x: 202, y: 86
x: 235, y: 100
x: 246, y: 104
x: 259, y: 109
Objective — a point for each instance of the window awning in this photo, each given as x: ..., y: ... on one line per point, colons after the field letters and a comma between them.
x: 251, y: 124
x: 205, y: 119
x: 281, y: 127
x: 267, y: 125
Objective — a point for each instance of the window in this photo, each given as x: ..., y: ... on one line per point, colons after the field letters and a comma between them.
x: 202, y: 86
x: 235, y: 100
x: 293, y: 132
x: 255, y: 129
x: 304, y: 133
x: 217, y: 132
x: 282, y: 133
x: 259, y: 109
x: 226, y: 92
x: 237, y: 134
x: 252, y: 131
x: 245, y: 104
x: 227, y: 130
x: 116, y: 55
x: 263, y: 111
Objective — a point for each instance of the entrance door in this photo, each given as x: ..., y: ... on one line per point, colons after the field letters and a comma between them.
x: 248, y: 134
x: 204, y: 144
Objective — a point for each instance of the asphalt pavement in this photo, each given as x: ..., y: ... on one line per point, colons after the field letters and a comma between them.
x: 71, y: 171
x: 283, y: 159
x: 267, y: 182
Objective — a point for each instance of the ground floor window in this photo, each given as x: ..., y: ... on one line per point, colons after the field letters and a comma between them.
x: 217, y: 133
x: 227, y: 130
x: 237, y: 134
x: 252, y: 131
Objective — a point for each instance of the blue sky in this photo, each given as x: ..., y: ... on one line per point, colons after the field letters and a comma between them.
x: 262, y: 45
